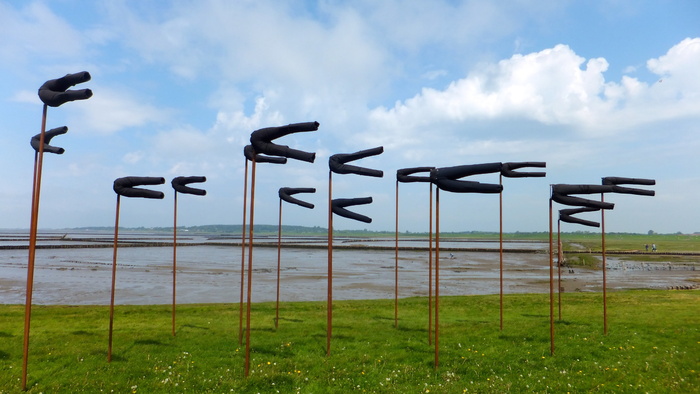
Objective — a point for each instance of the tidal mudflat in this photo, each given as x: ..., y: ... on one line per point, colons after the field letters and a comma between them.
x: 209, y: 270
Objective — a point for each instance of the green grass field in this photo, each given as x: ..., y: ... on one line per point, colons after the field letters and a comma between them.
x: 653, y: 345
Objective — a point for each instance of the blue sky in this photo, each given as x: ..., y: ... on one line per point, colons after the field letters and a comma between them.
x: 594, y: 88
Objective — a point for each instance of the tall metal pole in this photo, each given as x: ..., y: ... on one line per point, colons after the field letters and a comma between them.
x: 430, y: 266
x: 329, y: 322
x: 560, y: 254
x: 250, y: 269
x: 36, y: 191
x: 174, y: 258
x: 605, y: 268
x: 396, y: 262
x: 500, y: 240
x: 279, y: 265
x: 551, y: 283
x: 114, y: 280
x: 243, y: 245
x: 437, y: 277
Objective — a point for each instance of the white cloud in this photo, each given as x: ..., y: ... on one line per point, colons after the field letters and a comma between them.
x: 111, y: 110
x: 35, y: 30
x: 552, y: 87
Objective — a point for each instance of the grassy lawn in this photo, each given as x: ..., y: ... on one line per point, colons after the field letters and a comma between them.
x: 653, y: 346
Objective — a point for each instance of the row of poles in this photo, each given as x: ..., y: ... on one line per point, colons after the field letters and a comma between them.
x: 263, y: 150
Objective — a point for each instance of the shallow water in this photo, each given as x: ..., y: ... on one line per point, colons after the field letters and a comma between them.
x: 212, y: 273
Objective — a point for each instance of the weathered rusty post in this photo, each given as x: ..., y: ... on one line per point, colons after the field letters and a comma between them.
x: 262, y: 142
x: 448, y: 179
x: 508, y: 170
x: 615, y: 181
x: 337, y: 164
x: 250, y: 155
x: 405, y: 175
x: 179, y: 184
x: 126, y: 187
x: 285, y: 193
x: 562, y: 193
x: 53, y: 93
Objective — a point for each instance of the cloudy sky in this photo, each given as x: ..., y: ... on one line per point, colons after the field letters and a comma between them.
x: 593, y: 88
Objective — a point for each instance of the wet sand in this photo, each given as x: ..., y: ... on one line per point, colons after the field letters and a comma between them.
x: 212, y: 274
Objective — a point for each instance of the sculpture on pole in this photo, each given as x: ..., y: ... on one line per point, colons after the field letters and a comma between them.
x: 405, y: 175
x: 250, y: 155
x: 508, y: 171
x: 127, y: 187
x: 562, y: 193
x: 448, y: 179
x: 615, y: 182
x: 53, y: 93
x: 180, y: 185
x: 285, y: 193
x: 337, y: 164
x: 261, y: 140
x: 567, y: 216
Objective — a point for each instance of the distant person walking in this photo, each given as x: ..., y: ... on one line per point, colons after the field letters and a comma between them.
x: 646, y: 247
x: 653, y: 247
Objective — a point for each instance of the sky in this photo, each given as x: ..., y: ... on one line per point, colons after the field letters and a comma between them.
x: 593, y: 88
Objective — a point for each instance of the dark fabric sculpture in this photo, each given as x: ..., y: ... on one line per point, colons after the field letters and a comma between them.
x: 179, y: 184
x: 566, y: 215
x: 507, y: 169
x: 54, y: 92
x: 336, y: 163
x: 36, y: 140
x: 285, y: 194
x: 447, y: 178
x: 261, y: 140
x: 338, y: 207
x: 250, y: 154
x: 561, y: 193
x: 405, y: 175
x: 126, y: 186
x: 616, y: 180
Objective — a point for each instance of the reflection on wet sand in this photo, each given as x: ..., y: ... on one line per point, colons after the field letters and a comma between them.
x: 211, y: 273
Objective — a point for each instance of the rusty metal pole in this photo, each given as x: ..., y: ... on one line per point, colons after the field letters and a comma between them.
x: 174, y: 257
x: 36, y: 192
x: 605, y: 268
x: 279, y: 266
x: 329, y: 323
x: 396, y: 262
x: 560, y: 255
x: 500, y: 251
x: 430, y: 266
x: 250, y: 269
x: 114, y: 281
x: 243, y: 245
x: 437, y: 277
x: 551, y: 282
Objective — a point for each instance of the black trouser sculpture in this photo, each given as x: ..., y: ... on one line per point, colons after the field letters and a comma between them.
x: 250, y: 155
x: 615, y: 181
x: 285, y: 193
x: 337, y: 164
x: 126, y: 187
x: 562, y: 194
x: 53, y: 93
x: 447, y: 178
x: 405, y: 175
x: 180, y: 185
x: 508, y: 171
x: 567, y: 216
x: 261, y: 140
